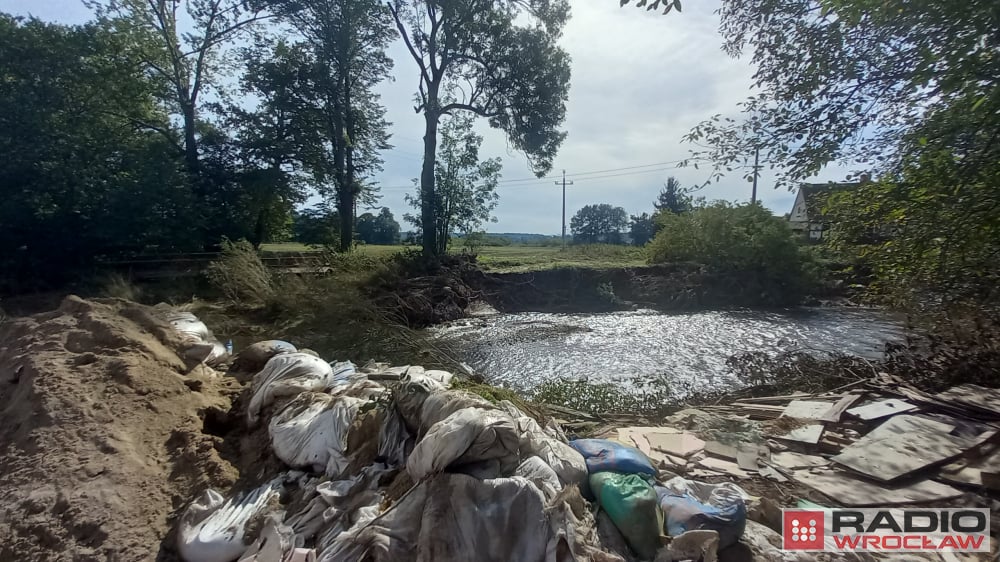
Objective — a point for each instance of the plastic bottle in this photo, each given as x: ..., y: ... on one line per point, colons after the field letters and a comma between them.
x: 229, y: 347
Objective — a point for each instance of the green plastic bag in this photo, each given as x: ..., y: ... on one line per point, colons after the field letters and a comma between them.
x: 631, y: 503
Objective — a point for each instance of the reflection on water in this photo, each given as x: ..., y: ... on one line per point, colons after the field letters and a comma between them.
x: 689, y: 350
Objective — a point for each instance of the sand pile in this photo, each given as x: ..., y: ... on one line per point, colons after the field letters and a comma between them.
x: 102, y: 438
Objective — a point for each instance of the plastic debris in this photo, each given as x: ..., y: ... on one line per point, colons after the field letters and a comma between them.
x: 603, y: 455
x: 688, y: 506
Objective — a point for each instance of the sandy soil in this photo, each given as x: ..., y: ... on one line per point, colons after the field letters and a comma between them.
x: 103, y: 437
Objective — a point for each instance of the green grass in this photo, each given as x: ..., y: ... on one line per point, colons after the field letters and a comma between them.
x: 509, y: 259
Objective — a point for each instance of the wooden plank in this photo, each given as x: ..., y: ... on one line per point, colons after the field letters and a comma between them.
x: 747, y: 459
x: 902, y: 446
x: 784, y: 398
x: 793, y: 460
x: 720, y: 450
x: 881, y: 409
x: 723, y: 466
x: 806, y: 409
x: 677, y: 444
x: 979, y: 397
x: 855, y: 492
x: 808, y: 434
x: 838, y: 409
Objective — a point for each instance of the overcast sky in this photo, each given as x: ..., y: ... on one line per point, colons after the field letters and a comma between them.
x: 640, y: 81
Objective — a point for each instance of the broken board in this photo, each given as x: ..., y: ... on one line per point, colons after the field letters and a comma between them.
x: 855, y: 492
x: 901, y: 446
x: 723, y: 466
x: 809, y: 434
x: 792, y: 460
x: 980, y: 397
x: 677, y: 444
x: 806, y: 409
x: 881, y: 409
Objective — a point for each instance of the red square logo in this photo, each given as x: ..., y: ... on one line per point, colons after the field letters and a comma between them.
x: 802, y: 529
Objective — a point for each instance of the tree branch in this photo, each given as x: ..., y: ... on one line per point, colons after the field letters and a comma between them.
x: 409, y: 44
x: 467, y: 107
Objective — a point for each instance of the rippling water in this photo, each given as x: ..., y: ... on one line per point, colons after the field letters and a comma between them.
x: 689, y: 350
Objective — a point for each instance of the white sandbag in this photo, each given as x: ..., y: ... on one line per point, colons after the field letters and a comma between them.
x: 311, y: 432
x: 468, y: 436
x: 275, y: 543
x: 540, y: 474
x: 439, y: 380
x: 203, y: 346
x: 443, y: 519
x: 253, y: 357
x: 568, y: 464
x: 287, y: 374
x: 212, y: 528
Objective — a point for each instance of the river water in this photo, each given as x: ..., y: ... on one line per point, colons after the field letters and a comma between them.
x: 634, y: 348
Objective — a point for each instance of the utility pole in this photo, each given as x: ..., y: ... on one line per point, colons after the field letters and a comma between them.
x: 564, y: 184
x: 756, y: 172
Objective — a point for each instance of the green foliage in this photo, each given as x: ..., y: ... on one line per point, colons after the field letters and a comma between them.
x: 240, y: 275
x: 643, y: 229
x: 599, y: 224
x: 846, y: 80
x: 315, y: 227
x: 332, y: 78
x: 80, y: 176
x: 744, y: 243
x: 378, y: 229
x: 673, y: 198
x: 465, y: 187
x: 503, y: 58
x: 931, y: 234
x: 667, y: 5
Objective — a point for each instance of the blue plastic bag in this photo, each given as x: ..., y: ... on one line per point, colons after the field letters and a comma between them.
x: 603, y: 455
x: 689, y: 506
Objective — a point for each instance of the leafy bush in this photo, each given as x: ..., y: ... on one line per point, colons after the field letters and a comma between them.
x: 240, y: 274
x: 745, y: 243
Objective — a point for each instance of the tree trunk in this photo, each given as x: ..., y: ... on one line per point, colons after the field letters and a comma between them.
x: 190, y: 140
x: 428, y: 218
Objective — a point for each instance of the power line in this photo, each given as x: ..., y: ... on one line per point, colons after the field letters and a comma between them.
x: 576, y: 177
x: 564, y: 207
x: 578, y: 174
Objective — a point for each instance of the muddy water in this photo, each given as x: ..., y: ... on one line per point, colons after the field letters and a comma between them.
x: 688, y: 351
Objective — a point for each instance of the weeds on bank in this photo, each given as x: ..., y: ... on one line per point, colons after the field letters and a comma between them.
x: 240, y: 274
x: 115, y: 285
x: 649, y: 399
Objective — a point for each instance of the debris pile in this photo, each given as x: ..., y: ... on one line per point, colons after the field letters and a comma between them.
x: 880, y: 443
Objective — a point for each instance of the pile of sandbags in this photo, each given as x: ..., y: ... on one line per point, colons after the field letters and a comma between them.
x: 391, y: 464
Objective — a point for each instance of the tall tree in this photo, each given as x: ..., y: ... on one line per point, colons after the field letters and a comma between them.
x: 465, y: 187
x: 83, y: 173
x: 348, y: 40
x: 643, y: 228
x: 379, y: 229
x: 188, y: 60
x: 673, y: 198
x: 599, y: 224
x: 502, y: 59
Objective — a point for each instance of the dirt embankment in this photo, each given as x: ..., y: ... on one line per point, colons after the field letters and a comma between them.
x: 669, y: 287
x: 102, y: 433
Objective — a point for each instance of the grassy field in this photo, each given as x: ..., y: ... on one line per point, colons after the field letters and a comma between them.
x: 518, y: 258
